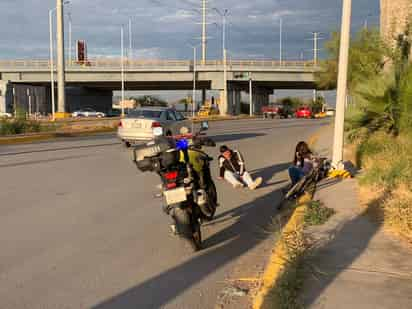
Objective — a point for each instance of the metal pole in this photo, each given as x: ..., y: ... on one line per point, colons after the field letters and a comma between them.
x: 225, y: 81
x: 204, y: 31
x: 315, y: 50
x: 280, y: 41
x: 61, y: 104
x: 194, y: 88
x: 342, y: 84
x: 51, y: 63
x: 70, y: 39
x: 14, y: 102
x: 29, y: 99
x: 224, y: 32
x: 250, y: 96
x: 130, y: 39
x: 122, y: 66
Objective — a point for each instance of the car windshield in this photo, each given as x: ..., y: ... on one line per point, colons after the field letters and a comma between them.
x: 144, y: 114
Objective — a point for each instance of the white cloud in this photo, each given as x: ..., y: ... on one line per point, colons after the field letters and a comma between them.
x: 161, y: 27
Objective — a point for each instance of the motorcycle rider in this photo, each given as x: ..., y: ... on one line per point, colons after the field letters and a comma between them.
x: 232, y: 169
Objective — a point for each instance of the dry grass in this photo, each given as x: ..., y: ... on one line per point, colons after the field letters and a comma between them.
x: 387, y: 181
x: 397, y: 211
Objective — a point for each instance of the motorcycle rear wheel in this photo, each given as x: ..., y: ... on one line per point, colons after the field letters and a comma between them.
x: 188, y: 230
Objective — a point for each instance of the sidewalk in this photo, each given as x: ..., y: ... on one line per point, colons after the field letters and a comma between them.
x: 360, y: 265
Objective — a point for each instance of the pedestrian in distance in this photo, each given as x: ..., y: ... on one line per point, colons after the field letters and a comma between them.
x: 232, y: 168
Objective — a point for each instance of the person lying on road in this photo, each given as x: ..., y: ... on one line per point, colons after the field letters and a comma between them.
x: 233, y: 170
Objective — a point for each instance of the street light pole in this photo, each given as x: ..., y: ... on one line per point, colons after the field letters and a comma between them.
x: 122, y: 65
x: 250, y: 95
x: 70, y: 38
x: 51, y: 62
x: 194, y: 87
x: 204, y: 39
x: 130, y: 39
x: 225, y: 82
x: 342, y: 84
x: 61, y: 104
x: 280, y: 41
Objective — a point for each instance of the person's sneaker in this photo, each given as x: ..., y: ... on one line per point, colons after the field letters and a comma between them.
x: 256, y: 183
x: 173, y: 229
x: 238, y: 185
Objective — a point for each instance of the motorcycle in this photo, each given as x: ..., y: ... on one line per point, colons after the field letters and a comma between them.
x: 188, y: 188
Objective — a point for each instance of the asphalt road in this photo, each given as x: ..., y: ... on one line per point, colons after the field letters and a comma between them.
x: 80, y: 226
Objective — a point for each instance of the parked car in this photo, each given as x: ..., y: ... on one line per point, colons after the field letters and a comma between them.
x: 303, y: 112
x: 138, y: 125
x: 330, y: 112
x: 88, y: 112
x: 5, y: 115
x: 274, y: 111
x: 114, y: 113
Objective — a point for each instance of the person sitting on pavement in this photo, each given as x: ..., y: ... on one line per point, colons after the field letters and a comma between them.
x: 233, y: 169
x: 303, y: 163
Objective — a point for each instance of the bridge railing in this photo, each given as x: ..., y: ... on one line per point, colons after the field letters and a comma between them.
x: 105, y: 63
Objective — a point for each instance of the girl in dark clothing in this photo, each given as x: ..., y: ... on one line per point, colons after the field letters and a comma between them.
x: 302, y: 162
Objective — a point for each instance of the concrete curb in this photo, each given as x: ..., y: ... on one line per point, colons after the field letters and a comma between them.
x: 32, y: 137
x: 279, y: 256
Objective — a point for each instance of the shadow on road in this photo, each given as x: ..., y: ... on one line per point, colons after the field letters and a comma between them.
x: 222, y: 138
x: 267, y: 174
x: 58, y: 149
x: 252, y: 219
x: 339, y: 254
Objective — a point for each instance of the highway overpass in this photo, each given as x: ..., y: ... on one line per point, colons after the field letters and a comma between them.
x: 92, y: 83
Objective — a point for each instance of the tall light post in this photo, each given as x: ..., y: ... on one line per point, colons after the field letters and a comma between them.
x: 342, y: 84
x: 61, y: 96
x: 280, y: 41
x: 51, y: 60
x: 122, y: 65
x: 194, y: 47
x: 194, y: 88
x: 204, y: 38
x: 224, y: 16
x: 70, y: 38
x: 130, y: 40
x: 250, y: 95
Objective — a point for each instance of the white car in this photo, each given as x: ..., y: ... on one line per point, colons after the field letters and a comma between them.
x: 88, y: 112
x: 330, y: 112
x: 5, y: 115
x: 140, y: 123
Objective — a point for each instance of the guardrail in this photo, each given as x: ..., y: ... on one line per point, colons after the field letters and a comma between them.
x: 114, y: 64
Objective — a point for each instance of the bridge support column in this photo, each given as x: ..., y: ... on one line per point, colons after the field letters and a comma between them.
x: 223, y: 104
x: 6, y: 97
x: 233, y: 102
x: 203, y: 96
x: 260, y: 98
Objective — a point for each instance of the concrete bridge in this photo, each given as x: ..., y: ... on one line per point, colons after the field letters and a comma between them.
x: 91, y: 84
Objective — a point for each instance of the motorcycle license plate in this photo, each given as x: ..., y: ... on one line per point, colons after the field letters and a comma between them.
x: 175, y: 196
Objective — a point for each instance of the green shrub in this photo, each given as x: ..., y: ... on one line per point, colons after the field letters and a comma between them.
x: 19, y: 126
x: 318, y: 214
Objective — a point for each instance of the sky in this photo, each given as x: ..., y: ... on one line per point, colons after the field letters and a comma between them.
x: 165, y: 28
